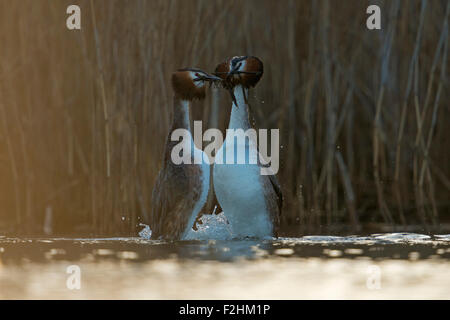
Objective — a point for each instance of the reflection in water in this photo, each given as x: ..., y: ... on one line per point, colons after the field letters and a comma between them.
x: 410, y: 266
x: 378, y: 246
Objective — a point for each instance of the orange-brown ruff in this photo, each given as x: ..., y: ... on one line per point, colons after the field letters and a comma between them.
x: 252, y: 72
x: 179, y: 189
x: 184, y: 87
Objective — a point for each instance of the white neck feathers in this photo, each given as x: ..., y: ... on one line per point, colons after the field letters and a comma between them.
x: 239, y: 113
x: 185, y: 114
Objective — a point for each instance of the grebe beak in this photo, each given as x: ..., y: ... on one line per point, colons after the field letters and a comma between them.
x: 208, y: 77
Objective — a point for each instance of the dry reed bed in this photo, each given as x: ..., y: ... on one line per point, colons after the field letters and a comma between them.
x: 84, y: 114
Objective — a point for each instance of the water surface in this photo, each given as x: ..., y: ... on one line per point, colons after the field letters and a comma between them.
x: 386, y: 266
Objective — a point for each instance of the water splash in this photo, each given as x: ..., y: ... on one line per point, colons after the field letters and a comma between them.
x: 212, y: 227
x: 145, y: 233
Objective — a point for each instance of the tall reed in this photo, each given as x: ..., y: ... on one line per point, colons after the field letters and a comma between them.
x: 363, y: 114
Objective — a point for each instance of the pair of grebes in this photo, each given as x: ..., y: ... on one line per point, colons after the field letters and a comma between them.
x: 250, y: 201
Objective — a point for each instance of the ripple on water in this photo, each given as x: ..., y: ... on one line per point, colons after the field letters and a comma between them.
x: 378, y: 238
x: 406, y: 246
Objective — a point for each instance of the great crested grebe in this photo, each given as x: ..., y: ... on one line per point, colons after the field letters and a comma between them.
x: 251, y: 202
x: 181, y: 190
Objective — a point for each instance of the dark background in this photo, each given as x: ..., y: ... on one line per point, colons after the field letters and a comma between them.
x: 363, y: 114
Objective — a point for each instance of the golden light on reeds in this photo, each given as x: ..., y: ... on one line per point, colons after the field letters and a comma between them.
x: 363, y: 113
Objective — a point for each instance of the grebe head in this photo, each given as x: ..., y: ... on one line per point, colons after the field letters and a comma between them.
x: 243, y: 70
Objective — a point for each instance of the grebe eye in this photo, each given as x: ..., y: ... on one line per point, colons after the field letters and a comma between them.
x: 198, y: 77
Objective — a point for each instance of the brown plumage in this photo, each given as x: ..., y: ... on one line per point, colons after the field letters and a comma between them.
x: 173, y: 198
x: 274, y: 200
